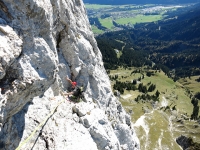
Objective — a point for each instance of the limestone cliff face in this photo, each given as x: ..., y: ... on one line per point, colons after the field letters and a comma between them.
x: 42, y: 42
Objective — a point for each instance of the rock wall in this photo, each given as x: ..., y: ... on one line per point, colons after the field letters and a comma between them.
x: 42, y: 42
x: 187, y: 143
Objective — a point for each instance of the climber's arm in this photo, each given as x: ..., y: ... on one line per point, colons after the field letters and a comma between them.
x: 69, y: 80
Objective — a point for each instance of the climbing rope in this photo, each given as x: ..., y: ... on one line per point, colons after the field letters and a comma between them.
x: 39, y: 126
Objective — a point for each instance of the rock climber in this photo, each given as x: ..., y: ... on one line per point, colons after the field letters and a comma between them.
x: 72, y: 83
x: 73, y: 87
x: 76, y: 91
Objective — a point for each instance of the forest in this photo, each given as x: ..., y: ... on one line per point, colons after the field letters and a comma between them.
x: 171, y: 45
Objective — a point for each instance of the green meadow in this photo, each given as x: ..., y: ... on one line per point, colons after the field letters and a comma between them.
x: 139, y: 19
x: 107, y: 22
x: 175, y: 92
x: 96, y: 30
x: 166, y: 121
x: 125, y: 14
x: 96, y: 6
x: 191, y: 84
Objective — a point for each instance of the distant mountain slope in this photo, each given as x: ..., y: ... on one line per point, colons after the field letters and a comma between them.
x: 186, y: 27
x: 121, y: 2
x: 172, y: 43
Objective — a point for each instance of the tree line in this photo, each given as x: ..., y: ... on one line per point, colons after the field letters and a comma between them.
x: 174, y: 46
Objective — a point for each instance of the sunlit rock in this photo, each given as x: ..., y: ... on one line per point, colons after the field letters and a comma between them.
x: 42, y: 42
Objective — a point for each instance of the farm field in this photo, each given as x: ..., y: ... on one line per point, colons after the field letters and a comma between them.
x: 139, y: 19
x: 103, y: 16
x: 96, y: 6
x: 107, y: 22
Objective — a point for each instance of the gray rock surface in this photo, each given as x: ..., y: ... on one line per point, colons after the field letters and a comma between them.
x: 42, y: 42
x: 184, y: 142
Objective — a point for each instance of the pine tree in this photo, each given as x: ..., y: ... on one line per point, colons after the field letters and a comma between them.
x: 157, y: 93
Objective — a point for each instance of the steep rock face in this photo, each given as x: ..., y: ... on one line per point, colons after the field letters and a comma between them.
x: 42, y: 42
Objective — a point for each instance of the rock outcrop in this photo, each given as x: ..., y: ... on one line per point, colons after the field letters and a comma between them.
x: 187, y: 143
x: 42, y: 42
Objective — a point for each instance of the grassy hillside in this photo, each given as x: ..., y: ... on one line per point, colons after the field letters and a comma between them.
x: 175, y: 92
x: 166, y: 119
